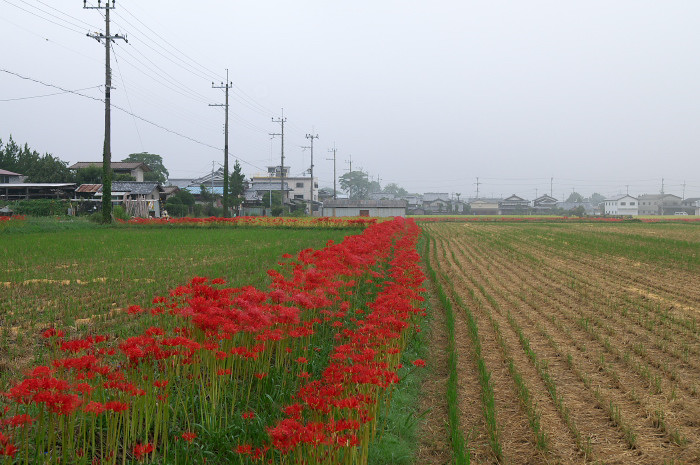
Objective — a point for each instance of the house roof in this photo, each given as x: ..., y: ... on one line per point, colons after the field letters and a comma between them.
x: 431, y: 196
x: 514, y: 198
x: 218, y: 190
x: 620, y: 197
x: 656, y: 196
x: 170, y: 189
x: 546, y: 197
x: 269, y: 186
x: 116, y: 165
x: 364, y: 203
x: 8, y: 173
x: 38, y: 185
x: 89, y: 188
x: 134, y: 188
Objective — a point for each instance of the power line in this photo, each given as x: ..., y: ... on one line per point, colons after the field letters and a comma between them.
x: 44, y: 18
x: 128, y: 101
x: 49, y: 95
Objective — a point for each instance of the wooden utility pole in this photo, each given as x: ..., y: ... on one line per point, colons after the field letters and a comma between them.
x: 311, y: 198
x: 107, y: 147
x: 281, y: 120
x: 227, y: 86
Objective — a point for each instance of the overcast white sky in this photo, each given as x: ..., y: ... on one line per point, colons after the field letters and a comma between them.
x: 428, y: 94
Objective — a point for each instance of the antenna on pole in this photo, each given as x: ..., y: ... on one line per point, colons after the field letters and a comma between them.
x: 334, y: 150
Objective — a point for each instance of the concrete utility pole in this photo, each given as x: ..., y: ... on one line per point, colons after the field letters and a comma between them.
x: 349, y: 161
x: 477, y: 187
x: 311, y: 198
x: 551, y: 187
x: 281, y: 120
x: 107, y: 148
x: 662, y: 186
x: 334, y: 150
x: 227, y: 86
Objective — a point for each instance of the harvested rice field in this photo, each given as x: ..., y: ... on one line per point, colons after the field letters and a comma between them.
x: 570, y: 343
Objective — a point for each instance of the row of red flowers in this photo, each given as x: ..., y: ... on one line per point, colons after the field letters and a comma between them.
x: 323, y: 344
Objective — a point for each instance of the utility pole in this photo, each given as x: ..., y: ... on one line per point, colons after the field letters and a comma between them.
x: 551, y: 187
x: 334, y: 150
x: 662, y: 186
x: 311, y: 198
x: 227, y: 86
x: 107, y: 148
x: 683, y: 190
x: 349, y: 161
x: 477, y: 187
x: 281, y: 120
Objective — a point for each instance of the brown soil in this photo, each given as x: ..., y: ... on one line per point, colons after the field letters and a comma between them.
x: 595, y: 367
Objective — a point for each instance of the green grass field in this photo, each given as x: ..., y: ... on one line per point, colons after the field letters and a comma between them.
x: 81, y: 276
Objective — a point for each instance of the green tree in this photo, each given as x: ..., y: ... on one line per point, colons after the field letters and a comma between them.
x: 89, y: 175
x: 180, y: 203
x: 356, y: 184
x: 28, y: 162
x: 596, y: 198
x: 158, y: 171
x: 236, y: 186
x: 575, y: 197
x: 393, y: 188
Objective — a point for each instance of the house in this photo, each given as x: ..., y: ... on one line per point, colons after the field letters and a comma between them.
x: 624, y: 205
x: 544, y: 205
x: 140, y: 199
x: 28, y: 191
x: 659, y: 204
x: 485, y: 206
x: 694, y: 204
x: 299, y: 188
x: 437, y: 206
x: 514, y: 205
x: 133, y: 169
x: 374, y: 208
x: 8, y: 177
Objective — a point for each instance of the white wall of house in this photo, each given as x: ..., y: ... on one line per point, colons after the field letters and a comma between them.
x: 381, y: 212
x: 624, y: 206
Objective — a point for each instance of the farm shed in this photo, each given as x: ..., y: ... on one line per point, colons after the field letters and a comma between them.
x: 27, y: 191
x: 376, y: 208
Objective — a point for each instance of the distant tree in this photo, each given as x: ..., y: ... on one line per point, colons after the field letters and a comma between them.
x: 575, y: 197
x: 236, y: 185
x: 393, y: 188
x: 325, y: 193
x: 578, y: 211
x: 205, y: 195
x: 374, y: 186
x: 90, y: 175
x: 276, y: 209
x: 37, y: 168
x: 158, y: 171
x: 596, y: 198
x: 180, y: 203
x: 356, y: 184
x: 122, y: 177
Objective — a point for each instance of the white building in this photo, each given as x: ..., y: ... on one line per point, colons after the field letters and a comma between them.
x: 299, y: 187
x: 625, y: 205
x: 375, y: 208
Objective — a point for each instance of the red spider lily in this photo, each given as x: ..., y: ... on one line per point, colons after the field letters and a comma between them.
x: 248, y: 415
x: 188, y: 436
x: 140, y: 450
x: 419, y: 363
x: 19, y: 420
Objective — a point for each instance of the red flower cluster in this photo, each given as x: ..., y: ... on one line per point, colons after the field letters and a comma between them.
x: 362, y: 295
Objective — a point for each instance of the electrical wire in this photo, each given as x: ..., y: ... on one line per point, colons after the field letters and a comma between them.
x: 128, y: 101
x: 44, y: 18
x: 48, y: 95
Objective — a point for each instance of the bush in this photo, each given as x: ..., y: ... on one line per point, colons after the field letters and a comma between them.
x: 41, y: 207
x: 119, y: 213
